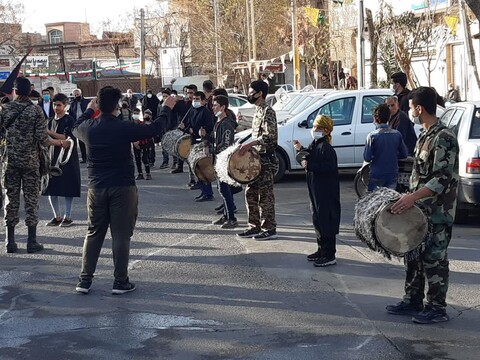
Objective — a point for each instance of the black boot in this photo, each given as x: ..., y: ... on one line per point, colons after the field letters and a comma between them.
x: 10, y: 244
x: 32, y: 244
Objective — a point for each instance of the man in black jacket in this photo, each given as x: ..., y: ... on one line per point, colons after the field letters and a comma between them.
x: 399, y: 83
x: 112, y: 194
x: 77, y: 108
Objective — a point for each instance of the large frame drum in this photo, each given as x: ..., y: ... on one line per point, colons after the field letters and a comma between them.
x: 201, y: 162
x: 234, y: 169
x: 177, y: 143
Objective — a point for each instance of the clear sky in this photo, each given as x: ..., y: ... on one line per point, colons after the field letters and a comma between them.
x: 37, y: 13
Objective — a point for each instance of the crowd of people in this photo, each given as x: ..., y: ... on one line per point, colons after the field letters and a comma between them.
x: 112, y: 128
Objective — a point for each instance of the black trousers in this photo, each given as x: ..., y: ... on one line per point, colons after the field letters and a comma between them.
x: 83, y: 150
x: 117, y: 208
x: 326, y: 242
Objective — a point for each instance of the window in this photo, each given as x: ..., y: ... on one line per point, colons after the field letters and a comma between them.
x: 454, y: 123
x: 369, y: 103
x: 447, y: 115
x: 340, y: 110
x: 55, y: 37
x: 475, y: 128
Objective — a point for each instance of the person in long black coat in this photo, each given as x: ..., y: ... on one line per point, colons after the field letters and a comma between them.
x: 320, y: 162
x: 66, y: 185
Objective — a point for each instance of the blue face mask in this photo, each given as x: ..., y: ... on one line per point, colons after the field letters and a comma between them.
x: 46, y: 98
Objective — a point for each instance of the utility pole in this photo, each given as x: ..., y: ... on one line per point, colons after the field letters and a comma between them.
x: 360, y: 47
x: 296, y: 54
x: 143, y: 79
x: 254, y: 39
x: 218, y: 55
x: 247, y: 7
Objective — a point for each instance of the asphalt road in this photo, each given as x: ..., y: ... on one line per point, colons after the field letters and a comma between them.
x: 205, y: 294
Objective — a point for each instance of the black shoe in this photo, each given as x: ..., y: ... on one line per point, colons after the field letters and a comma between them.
x: 122, y: 288
x: 139, y: 177
x: 149, y: 177
x: 403, y: 308
x: 249, y: 233
x: 54, y: 222
x: 83, y: 286
x: 164, y: 166
x: 204, y: 198
x: 174, y: 166
x: 325, y: 261
x: 430, y: 315
x: 266, y: 235
x: 66, y: 223
x: 196, y: 186
x: 11, y: 248
x: 198, y: 197
x: 220, y: 207
x: 220, y: 221
x: 33, y: 247
x: 314, y: 256
x: 176, y: 171
x: 230, y: 224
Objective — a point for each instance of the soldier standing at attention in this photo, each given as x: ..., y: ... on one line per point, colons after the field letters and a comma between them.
x: 25, y: 127
x: 433, y: 184
x: 259, y: 194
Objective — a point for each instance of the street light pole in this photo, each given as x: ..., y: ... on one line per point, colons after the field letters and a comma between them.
x: 296, y: 55
x: 360, y: 47
x: 143, y: 79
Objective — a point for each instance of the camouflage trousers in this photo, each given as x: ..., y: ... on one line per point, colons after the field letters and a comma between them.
x: 15, y: 180
x: 433, y: 265
x: 260, y: 200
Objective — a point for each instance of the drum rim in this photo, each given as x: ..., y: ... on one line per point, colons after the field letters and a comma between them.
x: 386, y: 207
x: 245, y: 182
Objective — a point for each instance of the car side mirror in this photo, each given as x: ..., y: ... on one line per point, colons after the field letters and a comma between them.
x: 303, y: 124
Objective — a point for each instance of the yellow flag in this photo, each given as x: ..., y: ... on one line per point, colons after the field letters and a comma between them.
x: 452, y: 22
x: 312, y: 15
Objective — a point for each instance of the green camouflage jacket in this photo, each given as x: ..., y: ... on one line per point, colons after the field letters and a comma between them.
x: 436, y: 167
x: 264, y: 128
x: 22, y: 135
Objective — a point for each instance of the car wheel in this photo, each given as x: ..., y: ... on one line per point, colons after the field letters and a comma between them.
x: 281, y: 168
x: 461, y: 216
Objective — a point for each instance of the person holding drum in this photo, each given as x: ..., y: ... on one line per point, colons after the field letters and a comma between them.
x: 383, y: 147
x: 224, y: 136
x: 259, y: 194
x: 320, y: 162
x: 433, y: 183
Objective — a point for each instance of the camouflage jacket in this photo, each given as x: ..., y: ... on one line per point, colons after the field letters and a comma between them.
x: 264, y: 129
x: 436, y: 167
x: 23, y: 133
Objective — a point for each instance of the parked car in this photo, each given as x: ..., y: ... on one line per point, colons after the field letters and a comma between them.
x: 463, y: 119
x: 351, y: 111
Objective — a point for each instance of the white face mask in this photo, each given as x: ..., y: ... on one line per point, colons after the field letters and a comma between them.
x: 316, y: 134
x: 414, y: 119
x: 136, y: 117
x: 35, y: 102
x: 149, y: 96
x: 196, y: 104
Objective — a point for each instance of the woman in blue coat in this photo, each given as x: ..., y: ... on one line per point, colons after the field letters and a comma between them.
x: 320, y: 162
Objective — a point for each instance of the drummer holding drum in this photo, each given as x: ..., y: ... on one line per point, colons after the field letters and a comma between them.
x: 433, y: 184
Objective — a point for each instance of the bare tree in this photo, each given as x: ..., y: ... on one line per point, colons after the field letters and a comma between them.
x: 11, y: 18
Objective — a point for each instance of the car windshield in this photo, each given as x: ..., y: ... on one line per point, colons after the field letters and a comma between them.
x: 289, y: 106
x: 475, y: 128
x: 306, y: 102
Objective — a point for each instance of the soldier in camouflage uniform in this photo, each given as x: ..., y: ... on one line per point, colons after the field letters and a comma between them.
x: 433, y: 184
x: 259, y: 194
x: 25, y: 126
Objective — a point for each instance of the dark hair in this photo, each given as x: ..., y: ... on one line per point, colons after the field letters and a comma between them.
x: 208, y: 85
x: 426, y: 97
x: 45, y: 90
x: 381, y: 113
x: 22, y: 86
x: 222, y: 101
x: 166, y: 91
x: 192, y: 87
x: 260, y: 85
x: 200, y: 94
x: 174, y: 92
x: 399, y: 77
x: 50, y: 89
x: 61, y: 97
x: 136, y: 111
x: 220, y: 91
x: 108, y: 98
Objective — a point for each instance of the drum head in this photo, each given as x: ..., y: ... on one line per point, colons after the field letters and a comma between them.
x: 184, y: 146
x: 204, y: 169
x: 245, y: 169
x: 301, y: 156
x: 400, y: 234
